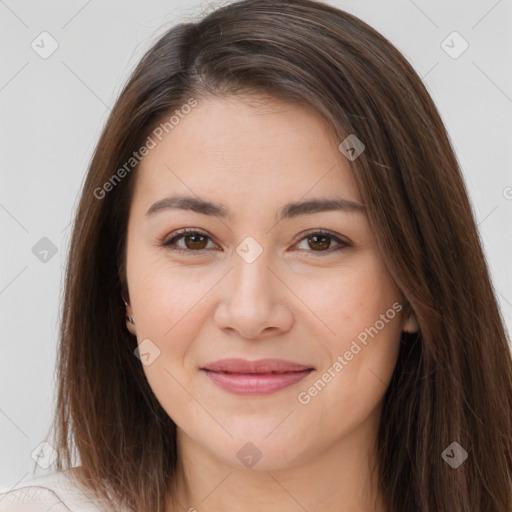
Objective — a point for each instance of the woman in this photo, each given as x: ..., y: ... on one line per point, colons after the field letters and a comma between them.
x: 276, y: 296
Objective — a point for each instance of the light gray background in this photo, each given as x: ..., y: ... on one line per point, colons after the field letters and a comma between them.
x: 52, y: 111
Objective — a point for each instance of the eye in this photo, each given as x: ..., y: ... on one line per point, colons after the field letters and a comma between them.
x: 193, y: 239
x: 196, y: 241
x: 320, y: 241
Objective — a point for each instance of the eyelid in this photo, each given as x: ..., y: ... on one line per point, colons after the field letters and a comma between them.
x: 319, y: 231
x: 315, y: 231
x: 181, y: 233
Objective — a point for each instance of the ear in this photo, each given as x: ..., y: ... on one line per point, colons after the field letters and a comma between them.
x: 410, y: 323
x: 130, y: 323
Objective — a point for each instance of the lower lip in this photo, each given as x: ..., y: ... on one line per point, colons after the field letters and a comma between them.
x: 255, y: 383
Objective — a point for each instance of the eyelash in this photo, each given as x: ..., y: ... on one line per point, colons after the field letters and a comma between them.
x: 192, y: 231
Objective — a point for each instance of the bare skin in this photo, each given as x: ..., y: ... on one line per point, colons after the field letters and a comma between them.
x: 302, y: 299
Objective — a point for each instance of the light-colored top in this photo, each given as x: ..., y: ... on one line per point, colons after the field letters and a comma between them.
x: 55, y: 492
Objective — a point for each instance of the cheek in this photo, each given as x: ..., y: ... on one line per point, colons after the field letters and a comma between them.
x: 165, y: 295
x: 361, y: 313
x: 347, y: 300
x: 171, y: 306
x: 356, y: 374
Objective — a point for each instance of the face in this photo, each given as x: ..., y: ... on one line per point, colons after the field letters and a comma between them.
x: 250, y: 281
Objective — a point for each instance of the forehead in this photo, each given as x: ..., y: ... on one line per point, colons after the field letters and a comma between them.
x: 247, y: 150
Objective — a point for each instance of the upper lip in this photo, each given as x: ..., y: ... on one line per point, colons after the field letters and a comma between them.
x: 258, y: 366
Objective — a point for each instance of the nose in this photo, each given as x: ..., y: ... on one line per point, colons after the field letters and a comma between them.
x: 254, y: 301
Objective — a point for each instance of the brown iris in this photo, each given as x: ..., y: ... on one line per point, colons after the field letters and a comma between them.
x: 196, y: 242
x: 323, y: 245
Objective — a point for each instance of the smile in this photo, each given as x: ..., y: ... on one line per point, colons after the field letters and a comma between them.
x: 262, y: 377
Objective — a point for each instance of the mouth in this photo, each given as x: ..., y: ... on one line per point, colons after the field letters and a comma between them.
x: 262, y: 377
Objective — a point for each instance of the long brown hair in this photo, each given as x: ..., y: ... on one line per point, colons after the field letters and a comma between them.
x: 453, y: 379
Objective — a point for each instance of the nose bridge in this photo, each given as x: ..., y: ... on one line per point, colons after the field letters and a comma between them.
x: 253, y: 304
x: 251, y: 272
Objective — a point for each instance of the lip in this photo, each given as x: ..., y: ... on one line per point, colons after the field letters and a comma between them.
x: 261, y: 377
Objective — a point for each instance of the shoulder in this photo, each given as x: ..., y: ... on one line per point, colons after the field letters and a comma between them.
x: 55, y: 492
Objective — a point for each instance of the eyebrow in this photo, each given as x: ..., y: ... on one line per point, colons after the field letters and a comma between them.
x: 289, y: 211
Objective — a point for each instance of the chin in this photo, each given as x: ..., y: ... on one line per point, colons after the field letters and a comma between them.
x: 261, y: 452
